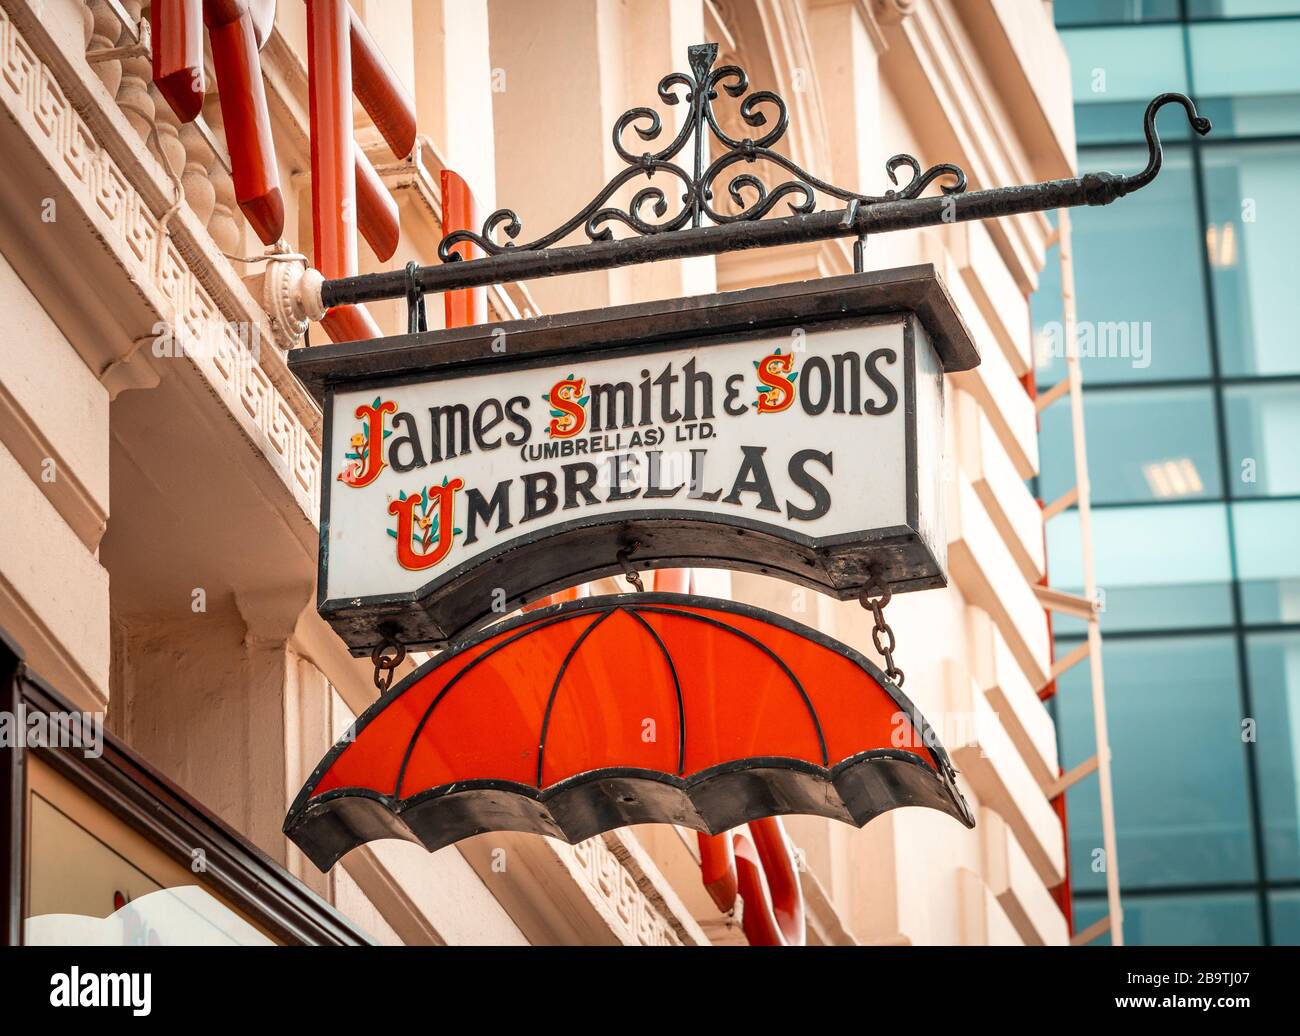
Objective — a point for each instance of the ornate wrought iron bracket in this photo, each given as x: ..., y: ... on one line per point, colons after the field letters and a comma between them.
x: 700, y: 227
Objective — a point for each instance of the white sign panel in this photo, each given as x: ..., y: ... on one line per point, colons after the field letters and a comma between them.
x: 784, y: 453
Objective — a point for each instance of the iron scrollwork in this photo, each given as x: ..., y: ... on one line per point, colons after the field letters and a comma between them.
x: 647, y: 211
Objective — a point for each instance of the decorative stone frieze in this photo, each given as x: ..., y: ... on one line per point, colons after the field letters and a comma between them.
x: 31, y: 95
x: 630, y: 908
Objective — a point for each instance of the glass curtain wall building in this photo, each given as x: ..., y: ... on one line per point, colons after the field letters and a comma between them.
x: 1189, y: 305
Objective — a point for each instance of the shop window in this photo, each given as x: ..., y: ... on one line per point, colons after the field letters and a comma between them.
x: 101, y: 850
x: 93, y: 881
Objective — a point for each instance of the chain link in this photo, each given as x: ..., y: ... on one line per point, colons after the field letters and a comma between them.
x: 874, y: 598
x: 387, y: 656
x: 630, y: 573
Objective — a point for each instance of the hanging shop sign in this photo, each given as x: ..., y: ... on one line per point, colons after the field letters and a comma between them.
x: 794, y: 430
x: 724, y: 714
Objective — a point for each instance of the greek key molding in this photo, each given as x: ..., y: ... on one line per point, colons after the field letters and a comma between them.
x: 37, y: 102
x: 629, y: 908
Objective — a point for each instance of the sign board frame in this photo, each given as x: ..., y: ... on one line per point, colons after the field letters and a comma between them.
x: 559, y: 555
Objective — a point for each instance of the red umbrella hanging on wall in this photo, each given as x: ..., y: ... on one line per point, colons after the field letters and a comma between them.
x: 634, y: 708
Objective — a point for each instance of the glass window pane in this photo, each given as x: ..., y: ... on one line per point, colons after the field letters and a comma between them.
x: 1192, y: 919
x: 1114, y: 73
x: 1284, y: 914
x: 1182, y: 812
x: 1138, y: 277
x: 1274, y: 664
x: 1263, y: 430
x: 1250, y: 241
x: 1088, y: 910
x: 1158, y: 567
x: 1245, y: 75
x: 1268, y: 563
x: 1236, y: 8
x: 1184, y: 919
x: 94, y: 880
x: 1101, y: 12
x: 1143, y: 445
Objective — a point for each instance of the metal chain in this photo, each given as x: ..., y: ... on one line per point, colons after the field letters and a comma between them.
x: 874, y: 598
x: 387, y: 656
x: 630, y: 573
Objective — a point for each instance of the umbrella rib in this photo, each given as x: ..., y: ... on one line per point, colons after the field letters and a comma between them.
x: 532, y: 627
x: 812, y: 712
x: 555, y: 689
x: 677, y: 686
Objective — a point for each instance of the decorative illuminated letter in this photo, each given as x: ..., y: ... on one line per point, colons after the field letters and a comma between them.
x: 366, y: 455
x: 568, y: 407
x: 776, y: 372
x: 431, y: 530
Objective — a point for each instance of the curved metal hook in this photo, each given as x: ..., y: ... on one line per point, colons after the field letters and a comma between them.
x: 1155, y: 152
x: 921, y: 180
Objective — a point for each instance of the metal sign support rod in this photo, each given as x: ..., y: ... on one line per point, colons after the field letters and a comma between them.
x: 696, y: 227
x: 906, y: 214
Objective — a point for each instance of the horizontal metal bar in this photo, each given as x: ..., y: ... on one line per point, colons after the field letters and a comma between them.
x: 885, y: 217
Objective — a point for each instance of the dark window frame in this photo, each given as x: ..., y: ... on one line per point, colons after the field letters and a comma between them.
x: 141, y: 797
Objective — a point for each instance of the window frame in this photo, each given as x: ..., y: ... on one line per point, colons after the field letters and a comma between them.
x: 138, y: 795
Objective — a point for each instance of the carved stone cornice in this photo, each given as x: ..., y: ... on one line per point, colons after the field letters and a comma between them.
x: 635, y: 916
x: 603, y: 891
x: 90, y: 150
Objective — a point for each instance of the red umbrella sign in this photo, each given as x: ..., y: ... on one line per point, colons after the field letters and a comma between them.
x: 627, y: 709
